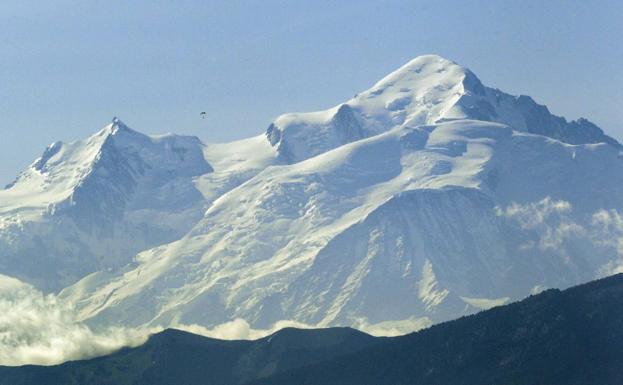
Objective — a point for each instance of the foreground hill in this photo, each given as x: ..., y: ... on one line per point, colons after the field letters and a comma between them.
x: 574, y: 337
x: 177, y: 357
x: 569, y: 337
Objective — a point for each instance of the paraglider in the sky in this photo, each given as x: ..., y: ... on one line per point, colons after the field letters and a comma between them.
x: 203, y: 115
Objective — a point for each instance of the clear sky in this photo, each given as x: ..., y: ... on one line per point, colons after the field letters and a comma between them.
x: 68, y: 67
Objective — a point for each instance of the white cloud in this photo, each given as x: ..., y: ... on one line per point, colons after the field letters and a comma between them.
x: 555, y: 236
x: 43, y: 330
x: 392, y: 328
x: 608, y: 225
x: 40, y: 329
x: 485, y: 303
x: 239, y: 329
x: 549, y: 217
x: 557, y: 232
x: 533, y: 214
x: 537, y: 289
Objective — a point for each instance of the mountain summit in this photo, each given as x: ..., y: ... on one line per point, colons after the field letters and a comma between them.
x: 424, y: 198
x: 95, y: 203
x: 427, y: 90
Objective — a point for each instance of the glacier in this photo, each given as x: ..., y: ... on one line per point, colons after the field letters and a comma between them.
x: 424, y: 198
x: 94, y: 204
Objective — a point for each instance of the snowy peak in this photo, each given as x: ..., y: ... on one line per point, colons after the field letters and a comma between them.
x: 427, y: 90
x: 418, y: 200
x: 162, y: 153
x: 423, y: 66
x: 422, y: 91
x: 110, y: 162
x: 118, y: 125
x: 80, y: 155
x: 94, y: 203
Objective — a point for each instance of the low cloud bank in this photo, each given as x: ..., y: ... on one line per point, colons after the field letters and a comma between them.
x: 41, y: 329
x: 239, y: 329
x: 393, y: 328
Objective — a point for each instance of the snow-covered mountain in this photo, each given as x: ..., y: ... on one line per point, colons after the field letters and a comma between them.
x: 427, y: 90
x: 94, y: 204
x: 423, y: 198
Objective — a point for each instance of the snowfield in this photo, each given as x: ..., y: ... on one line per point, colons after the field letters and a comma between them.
x: 424, y: 198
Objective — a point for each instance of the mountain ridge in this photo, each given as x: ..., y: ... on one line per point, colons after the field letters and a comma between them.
x: 83, y: 191
x: 427, y: 90
x: 401, y: 195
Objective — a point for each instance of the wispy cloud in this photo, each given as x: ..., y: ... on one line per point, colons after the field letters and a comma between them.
x: 485, y: 303
x: 40, y: 329
x: 533, y: 214
x: 43, y: 330
x: 557, y: 231
x: 609, y: 224
x: 392, y: 328
x: 239, y: 329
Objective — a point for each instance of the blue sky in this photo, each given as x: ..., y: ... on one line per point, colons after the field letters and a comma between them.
x: 68, y: 67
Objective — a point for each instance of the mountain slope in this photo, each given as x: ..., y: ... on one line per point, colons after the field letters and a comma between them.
x: 569, y: 337
x: 427, y: 90
x: 358, y: 231
x: 93, y: 204
x: 381, y: 210
x: 426, y: 197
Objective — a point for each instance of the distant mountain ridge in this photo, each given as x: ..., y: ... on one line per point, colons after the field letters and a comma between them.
x: 427, y: 90
x: 426, y: 197
x: 569, y: 337
x: 94, y: 204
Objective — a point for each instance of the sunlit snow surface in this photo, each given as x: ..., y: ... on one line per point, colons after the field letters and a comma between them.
x: 424, y: 198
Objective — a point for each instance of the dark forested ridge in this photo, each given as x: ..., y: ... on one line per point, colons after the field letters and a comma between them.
x: 557, y: 337
x: 174, y: 357
x: 569, y: 337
